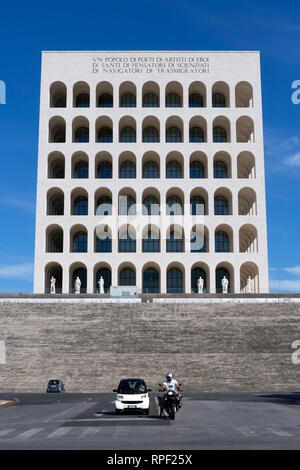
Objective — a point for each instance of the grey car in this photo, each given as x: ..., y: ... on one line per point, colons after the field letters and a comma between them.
x: 55, y: 386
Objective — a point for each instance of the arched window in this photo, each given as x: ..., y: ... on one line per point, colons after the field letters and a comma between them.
x: 106, y: 274
x: 197, y: 205
x: 54, y: 241
x: 150, y: 206
x: 81, y: 206
x: 150, y: 134
x: 150, y: 170
x: 196, y: 100
x: 81, y: 273
x: 103, y: 243
x: 81, y: 170
x: 220, y: 169
x: 221, y: 242
x: 173, y: 170
x: 105, y: 134
x: 105, y: 101
x: 104, y: 170
x: 104, y: 206
x: 127, y: 135
x: 127, y: 170
x: 127, y: 277
x: 151, y: 281
x: 195, y: 274
x: 174, y: 281
x: 218, y: 100
x: 82, y: 134
x: 126, y: 243
x: 128, y: 101
x: 219, y: 134
x: 196, y: 169
x: 196, y: 134
x: 174, y: 206
x: 221, y: 205
x: 80, y: 242
x: 220, y: 273
x: 150, y: 101
x: 83, y: 101
x: 151, y: 243
x: 173, y: 134
x: 55, y: 204
x: 173, y: 100
x: 198, y: 242
x: 127, y: 205
x: 174, y: 242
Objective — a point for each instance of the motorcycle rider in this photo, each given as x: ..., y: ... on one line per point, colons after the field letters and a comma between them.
x: 172, y: 385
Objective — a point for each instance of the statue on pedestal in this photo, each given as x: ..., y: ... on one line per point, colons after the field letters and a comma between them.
x: 52, y: 285
x: 225, y: 285
x: 249, y: 285
x: 101, y: 285
x: 77, y: 285
x: 200, y: 285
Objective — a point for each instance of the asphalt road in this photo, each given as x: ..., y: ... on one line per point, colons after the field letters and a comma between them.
x: 206, y: 421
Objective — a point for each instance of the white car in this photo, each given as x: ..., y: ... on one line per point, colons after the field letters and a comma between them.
x: 132, y: 394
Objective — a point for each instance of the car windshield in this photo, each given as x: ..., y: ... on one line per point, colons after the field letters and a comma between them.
x: 53, y: 382
x: 132, y: 386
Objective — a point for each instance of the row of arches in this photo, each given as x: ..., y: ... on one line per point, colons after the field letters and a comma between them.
x: 175, y: 277
x: 151, y: 95
x: 151, y: 130
x: 151, y: 203
x: 151, y: 165
x: 175, y: 239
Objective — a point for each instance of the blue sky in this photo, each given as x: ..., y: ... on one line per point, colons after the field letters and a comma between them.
x: 27, y: 28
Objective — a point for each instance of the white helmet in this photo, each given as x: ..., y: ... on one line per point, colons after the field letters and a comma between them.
x: 169, y: 375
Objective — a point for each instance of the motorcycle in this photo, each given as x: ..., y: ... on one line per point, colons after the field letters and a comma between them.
x: 169, y: 402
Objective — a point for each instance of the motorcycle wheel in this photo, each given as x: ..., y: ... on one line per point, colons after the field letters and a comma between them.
x: 172, y: 412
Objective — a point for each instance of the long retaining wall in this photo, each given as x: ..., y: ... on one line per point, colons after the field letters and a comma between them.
x: 208, y: 346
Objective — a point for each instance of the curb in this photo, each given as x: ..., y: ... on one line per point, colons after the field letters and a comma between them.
x: 4, y: 403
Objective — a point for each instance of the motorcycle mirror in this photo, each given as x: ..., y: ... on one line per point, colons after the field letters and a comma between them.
x: 114, y: 390
x: 159, y: 385
x: 180, y: 385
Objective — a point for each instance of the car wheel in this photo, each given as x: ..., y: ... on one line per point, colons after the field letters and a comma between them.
x: 118, y: 412
x: 146, y: 411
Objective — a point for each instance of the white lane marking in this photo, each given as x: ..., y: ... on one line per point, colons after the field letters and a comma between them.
x: 246, y: 431
x: 58, y: 433
x: 89, y: 432
x: 5, y: 431
x: 29, y: 433
x: 78, y: 405
x: 112, y: 420
x: 279, y: 433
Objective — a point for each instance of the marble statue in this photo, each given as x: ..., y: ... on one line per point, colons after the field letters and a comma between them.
x: 225, y: 285
x: 77, y: 285
x: 200, y: 284
x: 52, y: 285
x: 249, y: 285
x: 101, y: 285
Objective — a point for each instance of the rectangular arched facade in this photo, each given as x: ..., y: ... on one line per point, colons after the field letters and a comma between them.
x: 161, y: 146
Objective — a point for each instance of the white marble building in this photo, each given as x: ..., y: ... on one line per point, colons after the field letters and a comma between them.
x: 151, y: 172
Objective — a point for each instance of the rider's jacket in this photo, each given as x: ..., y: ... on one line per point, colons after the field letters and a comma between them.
x: 170, y: 386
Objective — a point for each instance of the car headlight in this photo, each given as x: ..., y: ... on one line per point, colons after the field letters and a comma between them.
x: 120, y: 397
x: 143, y: 396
